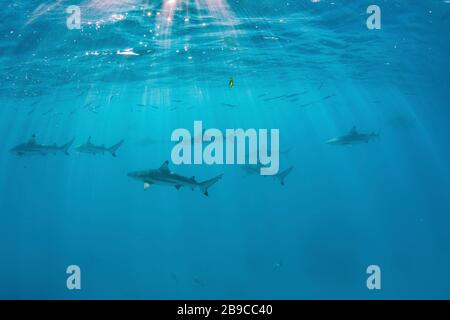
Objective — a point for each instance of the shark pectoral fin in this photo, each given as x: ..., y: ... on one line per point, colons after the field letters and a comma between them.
x: 146, y: 185
x: 178, y: 187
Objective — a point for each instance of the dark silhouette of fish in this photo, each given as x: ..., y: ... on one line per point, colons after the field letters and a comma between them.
x: 274, y: 98
x: 111, y: 97
x: 306, y: 104
x: 146, y: 106
x: 293, y: 95
x: 229, y: 105
x: 329, y: 96
x: 198, y: 281
x: 48, y: 111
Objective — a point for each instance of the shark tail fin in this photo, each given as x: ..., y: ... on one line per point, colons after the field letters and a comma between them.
x: 204, y: 186
x: 65, y: 147
x: 114, y: 148
x: 283, y: 174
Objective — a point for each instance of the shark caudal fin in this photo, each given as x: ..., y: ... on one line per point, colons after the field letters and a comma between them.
x: 114, y: 148
x: 282, y: 175
x: 205, y: 185
x: 65, y: 147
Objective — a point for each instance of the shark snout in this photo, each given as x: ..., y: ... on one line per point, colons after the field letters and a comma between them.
x: 332, y: 141
x: 14, y: 151
x: 133, y: 175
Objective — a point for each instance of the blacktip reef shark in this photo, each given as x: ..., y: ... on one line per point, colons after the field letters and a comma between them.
x: 91, y: 148
x: 32, y: 147
x: 255, y: 169
x: 353, y: 137
x: 163, y: 176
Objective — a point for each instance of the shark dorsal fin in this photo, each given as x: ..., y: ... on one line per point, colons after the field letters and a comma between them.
x: 88, y: 140
x: 193, y: 178
x: 353, y: 130
x: 32, y: 139
x: 165, y: 166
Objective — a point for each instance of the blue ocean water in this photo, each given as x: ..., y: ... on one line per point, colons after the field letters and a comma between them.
x: 137, y: 70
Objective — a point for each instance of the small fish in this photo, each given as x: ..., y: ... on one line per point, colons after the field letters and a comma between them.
x: 329, y: 96
x: 31, y: 111
x: 127, y: 52
x: 292, y: 95
x: 49, y: 111
x: 112, y: 97
x: 277, y: 266
x: 229, y: 105
x: 306, y: 104
x: 177, y: 101
x: 231, y: 83
x: 94, y: 109
x: 198, y: 281
x: 274, y: 98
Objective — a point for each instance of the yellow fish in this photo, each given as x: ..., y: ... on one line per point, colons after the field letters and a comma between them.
x: 231, y: 83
